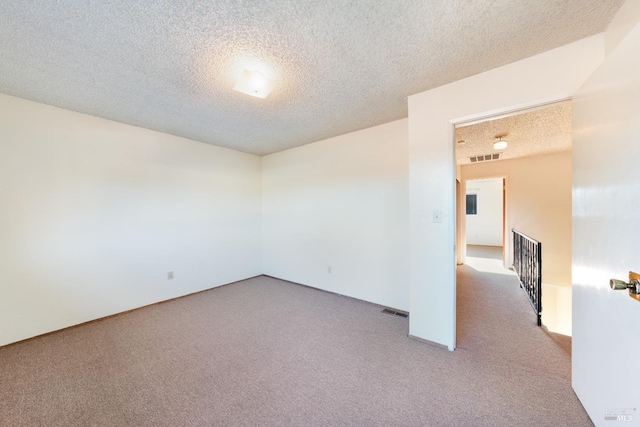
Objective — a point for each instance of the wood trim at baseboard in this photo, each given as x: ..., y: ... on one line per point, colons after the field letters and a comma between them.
x: 123, y: 312
x: 429, y: 342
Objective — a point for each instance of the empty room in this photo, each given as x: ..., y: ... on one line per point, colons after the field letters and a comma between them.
x: 220, y: 213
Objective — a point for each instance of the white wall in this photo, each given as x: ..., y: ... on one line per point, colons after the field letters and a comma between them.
x: 343, y: 203
x: 94, y: 213
x: 539, y: 205
x: 543, y: 78
x: 625, y: 20
x: 485, y: 227
x: 606, y: 235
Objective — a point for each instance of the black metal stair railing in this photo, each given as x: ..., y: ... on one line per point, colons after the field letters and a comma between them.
x: 527, y: 263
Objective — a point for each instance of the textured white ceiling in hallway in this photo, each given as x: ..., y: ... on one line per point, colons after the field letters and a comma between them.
x: 530, y: 133
x: 339, y: 66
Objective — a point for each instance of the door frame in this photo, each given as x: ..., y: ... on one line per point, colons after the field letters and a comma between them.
x: 544, y: 78
x: 460, y: 208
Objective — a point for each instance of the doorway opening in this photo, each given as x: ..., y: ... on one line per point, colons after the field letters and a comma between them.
x: 527, y: 189
x: 485, y: 222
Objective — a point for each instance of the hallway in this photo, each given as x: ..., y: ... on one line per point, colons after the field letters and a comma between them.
x: 497, y: 328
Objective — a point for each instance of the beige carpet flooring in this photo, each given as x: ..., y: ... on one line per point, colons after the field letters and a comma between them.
x: 264, y: 352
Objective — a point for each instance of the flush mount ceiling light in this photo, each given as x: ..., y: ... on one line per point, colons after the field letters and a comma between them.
x: 500, y: 144
x: 254, y: 83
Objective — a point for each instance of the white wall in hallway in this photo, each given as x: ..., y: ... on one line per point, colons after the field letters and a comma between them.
x: 94, y: 214
x: 485, y: 227
x: 539, y: 205
x: 343, y: 204
x: 557, y: 308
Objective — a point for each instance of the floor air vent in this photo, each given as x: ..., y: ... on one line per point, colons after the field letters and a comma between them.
x: 484, y: 157
x: 395, y: 312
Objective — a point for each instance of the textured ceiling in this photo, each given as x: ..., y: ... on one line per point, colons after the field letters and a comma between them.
x: 540, y: 131
x: 339, y: 66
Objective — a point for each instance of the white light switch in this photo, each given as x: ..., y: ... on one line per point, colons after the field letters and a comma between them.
x: 437, y: 216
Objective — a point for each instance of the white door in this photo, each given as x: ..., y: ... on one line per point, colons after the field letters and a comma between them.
x: 606, y: 237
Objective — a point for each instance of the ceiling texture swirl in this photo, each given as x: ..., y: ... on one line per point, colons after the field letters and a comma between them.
x: 338, y: 66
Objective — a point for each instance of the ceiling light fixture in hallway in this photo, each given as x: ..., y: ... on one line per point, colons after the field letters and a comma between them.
x: 500, y: 144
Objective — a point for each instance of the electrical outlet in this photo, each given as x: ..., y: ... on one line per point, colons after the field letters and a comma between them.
x: 170, y: 275
x: 329, y: 269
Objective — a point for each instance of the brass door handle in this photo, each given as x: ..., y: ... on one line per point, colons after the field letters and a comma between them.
x: 620, y: 285
x: 633, y: 285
